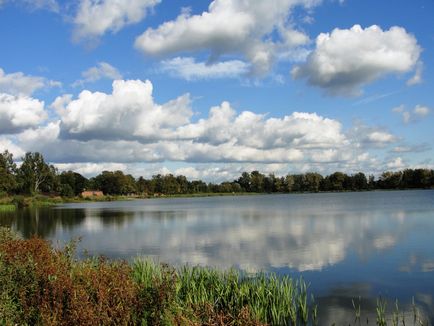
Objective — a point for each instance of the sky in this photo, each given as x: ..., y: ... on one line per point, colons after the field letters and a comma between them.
x: 209, y: 89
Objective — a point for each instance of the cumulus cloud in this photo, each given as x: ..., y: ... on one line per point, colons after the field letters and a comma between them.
x: 345, y: 60
x: 128, y: 113
x: 102, y: 70
x: 20, y: 112
x: 418, y: 113
x: 298, y: 130
x: 90, y: 169
x: 20, y: 84
x: 96, y: 17
x: 127, y: 126
x: 131, y: 114
x: 230, y: 27
x: 187, y: 68
x: 364, y: 136
x: 7, y: 144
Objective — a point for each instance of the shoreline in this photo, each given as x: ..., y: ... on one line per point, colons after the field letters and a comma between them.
x: 19, y: 201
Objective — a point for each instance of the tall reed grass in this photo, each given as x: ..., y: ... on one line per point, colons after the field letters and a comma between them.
x: 270, y: 299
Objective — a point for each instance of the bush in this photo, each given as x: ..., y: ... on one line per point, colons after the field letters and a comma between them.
x: 45, y: 286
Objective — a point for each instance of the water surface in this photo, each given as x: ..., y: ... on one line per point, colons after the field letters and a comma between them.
x: 345, y: 244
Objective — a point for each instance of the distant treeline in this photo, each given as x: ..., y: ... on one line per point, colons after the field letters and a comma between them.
x: 36, y: 176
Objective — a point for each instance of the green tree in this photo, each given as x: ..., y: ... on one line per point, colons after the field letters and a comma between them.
x: 245, y: 182
x: 335, y: 181
x: 360, y: 181
x: 312, y: 182
x: 289, y: 183
x: 35, y: 175
x: 115, y: 183
x: 257, y: 181
x: 8, y: 170
x: 390, y: 180
x: 73, y: 183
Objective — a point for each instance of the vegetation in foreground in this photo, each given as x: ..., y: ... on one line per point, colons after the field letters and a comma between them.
x: 45, y: 286
x: 40, y: 285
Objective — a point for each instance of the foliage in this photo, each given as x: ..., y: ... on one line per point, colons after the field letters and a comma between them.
x: 35, y: 176
x: 72, y: 183
x: 8, y: 169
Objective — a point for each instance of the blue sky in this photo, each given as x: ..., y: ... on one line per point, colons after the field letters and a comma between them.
x: 210, y: 89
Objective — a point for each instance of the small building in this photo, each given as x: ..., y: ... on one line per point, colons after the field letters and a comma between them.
x: 92, y: 193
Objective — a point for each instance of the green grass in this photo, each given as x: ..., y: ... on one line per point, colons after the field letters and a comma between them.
x: 270, y: 299
x: 7, y: 208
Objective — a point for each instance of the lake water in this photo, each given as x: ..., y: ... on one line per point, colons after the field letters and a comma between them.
x: 345, y: 245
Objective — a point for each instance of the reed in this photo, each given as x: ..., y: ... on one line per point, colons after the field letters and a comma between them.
x: 270, y: 299
x: 381, y: 312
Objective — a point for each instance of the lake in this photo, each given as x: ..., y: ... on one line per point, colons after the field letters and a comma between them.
x: 345, y: 245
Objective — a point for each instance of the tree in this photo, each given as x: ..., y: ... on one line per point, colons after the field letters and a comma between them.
x: 390, y: 180
x: 289, y: 183
x: 8, y: 169
x: 312, y: 182
x: 115, y: 183
x: 245, y: 181
x: 72, y: 183
x: 360, y: 181
x: 335, y: 181
x: 257, y: 181
x: 35, y: 175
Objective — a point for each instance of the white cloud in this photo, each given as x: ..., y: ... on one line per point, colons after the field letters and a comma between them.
x: 347, y: 59
x: 380, y: 137
x: 128, y: 127
x: 421, y: 111
x: 298, y: 130
x: 102, y: 70
x: 96, y: 17
x: 90, y: 169
x: 417, y: 78
x: 363, y: 136
x: 230, y: 27
x: 418, y: 113
x: 187, y: 68
x: 7, y: 144
x: 20, y: 84
x: 128, y: 113
x: 20, y: 112
x: 396, y: 164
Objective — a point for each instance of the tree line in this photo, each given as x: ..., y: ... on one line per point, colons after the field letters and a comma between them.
x: 34, y: 176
